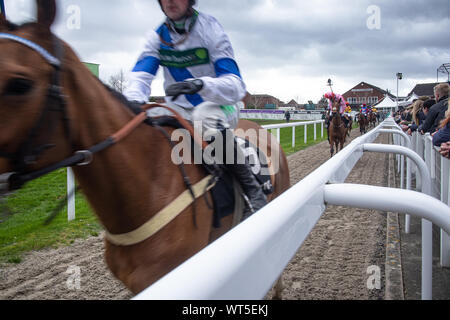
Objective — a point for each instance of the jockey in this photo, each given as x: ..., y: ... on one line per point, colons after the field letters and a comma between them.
x: 348, y: 110
x: 364, y: 110
x: 202, y: 76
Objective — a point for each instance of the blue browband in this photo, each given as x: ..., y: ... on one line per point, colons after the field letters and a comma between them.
x: 44, y: 53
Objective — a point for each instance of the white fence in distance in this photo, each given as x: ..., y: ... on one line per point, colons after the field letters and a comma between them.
x: 294, y: 125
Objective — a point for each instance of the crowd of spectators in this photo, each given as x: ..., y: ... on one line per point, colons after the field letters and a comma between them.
x: 429, y: 115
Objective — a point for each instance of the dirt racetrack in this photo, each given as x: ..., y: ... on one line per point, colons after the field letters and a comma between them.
x: 331, y: 264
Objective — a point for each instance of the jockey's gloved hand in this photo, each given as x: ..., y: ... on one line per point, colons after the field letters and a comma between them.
x: 184, y: 87
x: 136, y: 106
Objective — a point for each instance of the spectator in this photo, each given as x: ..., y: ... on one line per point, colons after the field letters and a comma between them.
x: 406, y: 117
x: 287, y: 115
x: 437, y: 112
x: 443, y: 135
x: 419, y: 112
x: 445, y: 149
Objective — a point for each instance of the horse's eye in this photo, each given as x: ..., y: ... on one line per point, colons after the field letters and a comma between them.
x: 17, y: 87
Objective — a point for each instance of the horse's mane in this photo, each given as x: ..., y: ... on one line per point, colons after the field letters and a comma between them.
x: 121, y: 98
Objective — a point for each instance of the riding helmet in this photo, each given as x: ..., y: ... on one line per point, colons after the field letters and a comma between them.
x: 191, y: 2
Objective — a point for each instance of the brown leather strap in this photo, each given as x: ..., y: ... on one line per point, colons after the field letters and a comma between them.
x: 197, y: 138
x: 129, y: 127
x: 141, y: 117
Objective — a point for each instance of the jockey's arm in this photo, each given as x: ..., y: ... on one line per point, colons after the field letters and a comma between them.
x: 227, y: 86
x: 140, y: 79
x: 224, y: 90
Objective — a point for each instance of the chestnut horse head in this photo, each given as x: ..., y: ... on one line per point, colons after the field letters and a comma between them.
x: 53, y: 109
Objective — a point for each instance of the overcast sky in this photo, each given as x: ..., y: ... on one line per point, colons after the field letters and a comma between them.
x: 285, y: 48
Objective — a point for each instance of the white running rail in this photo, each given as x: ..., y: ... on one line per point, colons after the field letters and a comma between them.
x: 234, y: 268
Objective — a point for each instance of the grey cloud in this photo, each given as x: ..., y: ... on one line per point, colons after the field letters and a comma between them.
x: 311, y: 38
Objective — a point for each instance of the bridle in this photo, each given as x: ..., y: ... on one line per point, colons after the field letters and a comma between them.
x: 29, y: 151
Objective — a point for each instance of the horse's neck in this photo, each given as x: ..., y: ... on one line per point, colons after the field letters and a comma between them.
x: 118, y: 183
x: 337, y: 118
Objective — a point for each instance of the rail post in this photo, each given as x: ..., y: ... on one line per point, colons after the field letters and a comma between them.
x: 427, y: 226
x: 408, y: 144
x: 71, y: 197
x: 293, y: 137
x: 306, y: 133
x: 445, y: 197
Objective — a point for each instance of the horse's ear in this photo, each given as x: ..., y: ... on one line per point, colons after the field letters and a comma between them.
x: 46, y: 13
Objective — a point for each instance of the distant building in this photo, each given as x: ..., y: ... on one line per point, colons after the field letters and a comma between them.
x: 365, y: 93
x: 261, y: 101
x: 293, y: 105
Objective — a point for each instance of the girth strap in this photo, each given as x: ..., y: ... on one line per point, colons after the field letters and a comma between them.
x: 163, y: 217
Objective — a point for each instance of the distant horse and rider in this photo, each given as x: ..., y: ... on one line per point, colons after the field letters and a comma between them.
x: 348, y: 116
x: 363, y: 119
x: 372, y: 119
x: 337, y: 124
x: 54, y: 114
x: 363, y: 123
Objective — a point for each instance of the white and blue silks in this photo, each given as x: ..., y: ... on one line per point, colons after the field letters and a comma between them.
x: 205, y: 54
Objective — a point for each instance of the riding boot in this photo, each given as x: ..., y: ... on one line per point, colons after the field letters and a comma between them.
x: 241, y: 170
x: 345, y: 122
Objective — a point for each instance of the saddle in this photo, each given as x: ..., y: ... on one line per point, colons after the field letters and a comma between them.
x: 226, y: 190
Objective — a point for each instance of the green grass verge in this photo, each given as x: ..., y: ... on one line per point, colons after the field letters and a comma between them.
x: 23, y: 213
